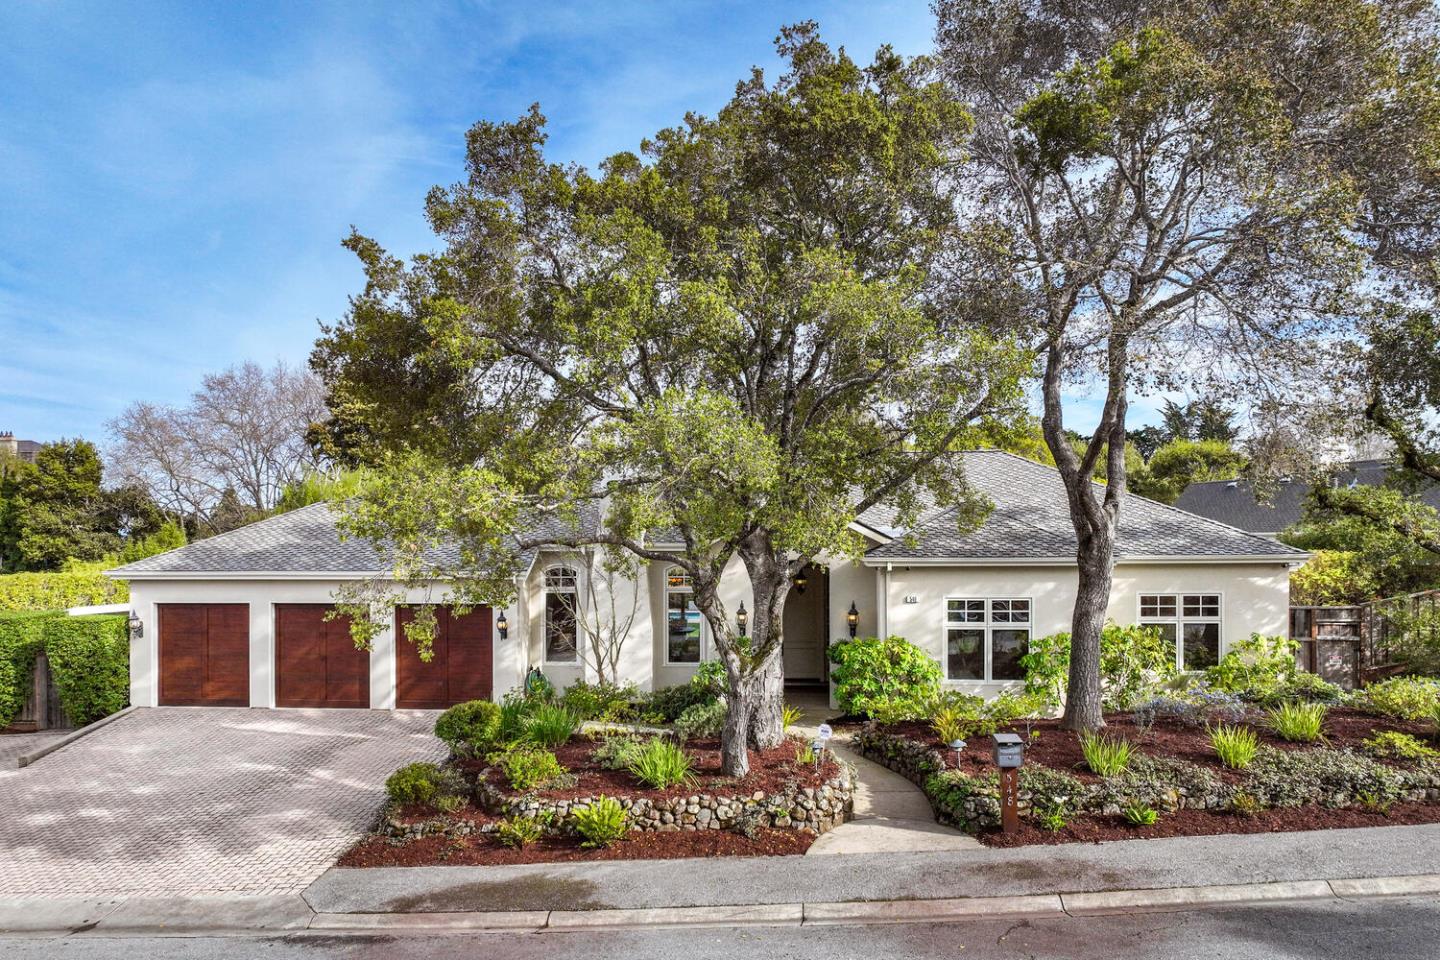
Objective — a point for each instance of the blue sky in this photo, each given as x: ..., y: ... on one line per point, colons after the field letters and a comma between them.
x: 175, y: 178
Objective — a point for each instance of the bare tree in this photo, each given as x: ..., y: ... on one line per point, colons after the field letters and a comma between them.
x: 243, y: 431
x: 604, y: 616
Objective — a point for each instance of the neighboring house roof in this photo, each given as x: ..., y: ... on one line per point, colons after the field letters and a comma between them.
x: 298, y: 543
x: 1234, y: 501
x: 1031, y: 522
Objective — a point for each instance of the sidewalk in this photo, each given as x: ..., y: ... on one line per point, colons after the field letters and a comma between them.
x: 1156, y: 875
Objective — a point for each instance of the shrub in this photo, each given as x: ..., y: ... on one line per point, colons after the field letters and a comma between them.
x: 415, y: 783
x: 710, y: 678
x: 616, y: 753
x: 1334, y: 578
x: 804, y: 755
x: 90, y: 663
x: 1133, y: 661
x: 21, y: 638
x: 1195, y: 707
x: 1245, y: 804
x: 1235, y: 746
x: 519, y: 831
x: 1255, y: 668
x: 470, y: 729
x: 550, y: 725
x: 1333, y: 778
x: 1413, y: 636
x: 1106, y: 756
x: 660, y: 764
x: 1139, y: 815
x: 601, y: 823
x: 1307, y: 687
x: 526, y: 768
x: 1391, y: 745
x: 887, y: 679
x: 669, y: 703
x: 790, y: 716
x: 59, y: 591
x: 515, y: 710
x: 701, y: 720
x: 949, y: 724
x: 1404, y: 698
x: 1297, y: 722
x: 599, y: 701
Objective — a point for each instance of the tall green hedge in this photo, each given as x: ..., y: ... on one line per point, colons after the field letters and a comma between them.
x: 89, y: 661
x: 57, y: 591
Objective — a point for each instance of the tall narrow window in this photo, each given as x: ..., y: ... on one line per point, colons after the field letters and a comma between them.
x: 560, y: 625
x: 684, y: 624
x: 1190, y: 621
x: 985, y: 639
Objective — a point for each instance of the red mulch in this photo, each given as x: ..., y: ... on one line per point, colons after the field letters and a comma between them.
x: 484, y: 850
x: 1060, y: 749
x: 770, y: 770
x: 1193, y: 823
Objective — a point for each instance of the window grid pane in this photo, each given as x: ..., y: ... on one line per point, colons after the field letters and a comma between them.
x: 965, y: 654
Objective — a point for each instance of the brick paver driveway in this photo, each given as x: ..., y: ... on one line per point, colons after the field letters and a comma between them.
x: 184, y: 801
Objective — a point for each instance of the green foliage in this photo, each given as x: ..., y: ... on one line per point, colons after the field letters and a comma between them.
x: 59, y: 591
x: 320, y: 487
x: 887, y: 679
x: 1051, y: 818
x: 1134, y: 661
x: 789, y: 716
x: 527, y: 768
x: 661, y: 764
x: 951, y: 722
x: 710, y: 678
x: 701, y: 721
x: 1106, y: 756
x: 170, y: 536
x: 600, y: 701
x: 1403, y: 698
x: 21, y: 638
x: 1308, y: 687
x: 1181, y: 462
x: 1297, y: 722
x: 668, y: 703
x: 90, y: 663
x: 804, y: 755
x: 1139, y: 815
x: 515, y: 710
x: 1245, y: 804
x: 1365, y: 539
x: 520, y: 831
x: 1235, y: 745
x: 415, y: 783
x: 616, y: 753
x: 1255, y: 667
x: 1332, y: 778
x: 960, y: 716
x: 470, y: 729
x: 601, y: 823
x: 1332, y: 578
x: 550, y: 725
x: 1392, y: 745
x: 1413, y: 636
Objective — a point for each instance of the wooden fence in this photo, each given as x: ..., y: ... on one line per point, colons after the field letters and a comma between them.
x: 1353, y: 646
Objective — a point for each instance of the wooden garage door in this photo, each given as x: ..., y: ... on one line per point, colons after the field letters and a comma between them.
x: 204, y: 654
x: 316, y: 663
x: 460, y: 669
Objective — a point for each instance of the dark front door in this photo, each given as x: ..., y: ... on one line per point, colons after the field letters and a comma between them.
x: 459, y: 669
x: 316, y: 662
x: 204, y: 654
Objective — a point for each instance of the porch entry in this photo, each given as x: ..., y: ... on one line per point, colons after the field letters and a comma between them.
x: 806, y: 626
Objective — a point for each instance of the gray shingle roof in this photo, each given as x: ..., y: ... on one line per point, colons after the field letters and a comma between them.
x: 1031, y: 520
x: 301, y: 541
x: 1234, y: 501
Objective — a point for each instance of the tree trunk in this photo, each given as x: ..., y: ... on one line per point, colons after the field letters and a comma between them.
x: 767, y: 726
x: 1083, y: 700
x: 734, y: 746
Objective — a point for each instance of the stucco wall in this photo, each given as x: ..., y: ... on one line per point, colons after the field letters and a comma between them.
x: 1255, y: 598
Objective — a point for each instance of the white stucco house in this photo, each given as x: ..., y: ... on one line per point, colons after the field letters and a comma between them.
x: 238, y: 619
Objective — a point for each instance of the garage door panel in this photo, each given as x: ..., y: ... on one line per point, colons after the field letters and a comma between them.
x: 317, y: 663
x: 460, y: 668
x: 204, y: 654
x: 470, y: 656
x: 348, y: 668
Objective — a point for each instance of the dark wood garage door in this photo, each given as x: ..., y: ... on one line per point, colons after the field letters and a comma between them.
x: 316, y: 663
x: 460, y: 669
x: 204, y: 654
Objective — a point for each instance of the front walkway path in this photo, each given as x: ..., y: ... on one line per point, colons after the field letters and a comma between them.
x: 208, y: 800
x: 891, y: 814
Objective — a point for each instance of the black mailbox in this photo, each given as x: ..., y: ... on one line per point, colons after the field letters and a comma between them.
x: 1009, y: 750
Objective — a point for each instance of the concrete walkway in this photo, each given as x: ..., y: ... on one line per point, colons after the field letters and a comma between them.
x: 891, y: 814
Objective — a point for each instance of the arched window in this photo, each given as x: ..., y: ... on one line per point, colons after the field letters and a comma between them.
x: 685, y: 633
x: 560, y: 627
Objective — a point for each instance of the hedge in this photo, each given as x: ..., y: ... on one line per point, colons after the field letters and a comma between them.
x: 57, y: 591
x: 89, y: 662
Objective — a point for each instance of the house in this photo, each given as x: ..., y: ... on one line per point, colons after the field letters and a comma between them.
x: 19, y: 449
x: 1236, y: 503
x: 240, y: 618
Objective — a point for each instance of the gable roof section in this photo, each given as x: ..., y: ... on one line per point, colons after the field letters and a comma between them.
x: 304, y: 542
x: 1031, y: 522
x: 1234, y: 501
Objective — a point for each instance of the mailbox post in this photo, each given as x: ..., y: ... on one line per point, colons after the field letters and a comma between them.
x: 1009, y: 755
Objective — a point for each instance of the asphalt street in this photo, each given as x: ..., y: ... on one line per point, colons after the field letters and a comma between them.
x: 1393, y: 929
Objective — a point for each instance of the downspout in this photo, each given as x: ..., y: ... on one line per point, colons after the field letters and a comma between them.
x: 882, y: 602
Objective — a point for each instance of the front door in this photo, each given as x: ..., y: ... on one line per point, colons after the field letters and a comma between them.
x: 803, y: 649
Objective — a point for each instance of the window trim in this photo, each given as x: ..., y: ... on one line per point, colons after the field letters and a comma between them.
x: 1180, y: 619
x: 574, y: 592
x: 704, y: 626
x: 987, y: 626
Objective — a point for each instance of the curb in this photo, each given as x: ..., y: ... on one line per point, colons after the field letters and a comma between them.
x: 114, y: 919
x: 28, y: 758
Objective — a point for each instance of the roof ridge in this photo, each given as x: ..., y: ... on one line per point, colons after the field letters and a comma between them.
x: 220, y: 536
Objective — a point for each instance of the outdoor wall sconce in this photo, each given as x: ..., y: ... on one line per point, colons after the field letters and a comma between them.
x: 742, y: 619
x: 137, y: 626
x: 503, y: 626
x: 800, y: 581
x: 852, y: 618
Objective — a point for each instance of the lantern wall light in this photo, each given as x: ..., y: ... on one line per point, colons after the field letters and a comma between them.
x: 503, y: 626
x: 852, y: 619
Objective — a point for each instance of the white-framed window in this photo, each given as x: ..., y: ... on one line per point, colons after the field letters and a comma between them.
x: 1189, y: 621
x: 684, y: 624
x: 561, y: 633
x: 986, y: 637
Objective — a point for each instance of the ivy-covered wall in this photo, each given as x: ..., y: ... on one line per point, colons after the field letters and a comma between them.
x: 58, y: 591
x: 89, y: 660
